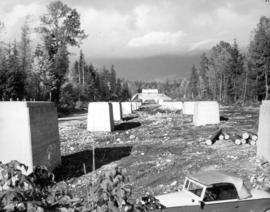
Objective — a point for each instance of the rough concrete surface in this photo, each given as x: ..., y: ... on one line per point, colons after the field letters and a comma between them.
x: 29, y: 133
x: 117, y: 111
x: 263, y: 148
x: 188, y: 108
x: 206, y: 112
x: 100, y: 117
x: 126, y: 108
x: 172, y: 105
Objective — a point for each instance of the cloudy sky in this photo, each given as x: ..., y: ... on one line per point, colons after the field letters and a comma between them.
x: 145, y: 28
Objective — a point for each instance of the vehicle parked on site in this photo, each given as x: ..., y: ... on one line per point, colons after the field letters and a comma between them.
x: 215, y: 191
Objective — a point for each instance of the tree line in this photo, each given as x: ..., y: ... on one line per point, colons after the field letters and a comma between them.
x: 229, y: 76
x: 43, y: 72
x: 225, y: 73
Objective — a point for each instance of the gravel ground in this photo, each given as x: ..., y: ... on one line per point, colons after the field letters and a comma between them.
x: 158, y: 148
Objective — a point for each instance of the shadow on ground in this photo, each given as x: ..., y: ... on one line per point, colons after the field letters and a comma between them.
x: 223, y: 118
x: 127, y: 118
x: 72, y: 165
x: 126, y: 126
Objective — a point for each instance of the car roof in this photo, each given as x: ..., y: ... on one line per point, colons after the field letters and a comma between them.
x: 208, y: 178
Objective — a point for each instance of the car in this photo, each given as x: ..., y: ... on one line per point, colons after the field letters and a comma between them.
x: 215, y: 191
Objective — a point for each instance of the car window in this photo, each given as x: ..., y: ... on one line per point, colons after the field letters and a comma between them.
x: 195, y: 188
x: 219, y: 192
x: 186, y: 184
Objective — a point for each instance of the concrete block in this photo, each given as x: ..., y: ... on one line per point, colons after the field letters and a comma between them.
x: 172, y: 105
x: 134, y: 106
x: 160, y: 101
x: 263, y: 144
x: 155, y: 91
x: 126, y: 108
x: 100, y: 117
x: 29, y: 134
x: 117, y: 111
x: 188, y: 108
x: 206, y: 112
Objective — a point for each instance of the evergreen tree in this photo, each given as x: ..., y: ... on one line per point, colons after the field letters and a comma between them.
x: 219, y: 69
x: 259, y: 55
x: 26, y: 56
x: 113, y: 83
x: 40, y: 76
x: 125, y: 92
x: 15, y: 78
x: 25, y: 47
x: 104, y: 83
x: 58, y: 72
x: 204, y: 78
x: 81, y: 70
x: 236, y: 74
x: 60, y: 28
x: 194, y: 82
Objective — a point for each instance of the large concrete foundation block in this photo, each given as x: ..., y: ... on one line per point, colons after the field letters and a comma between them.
x: 188, y: 108
x: 126, y: 108
x: 100, y: 117
x: 172, y: 105
x: 117, y: 111
x: 206, y: 112
x: 263, y: 144
x: 29, y: 134
x: 134, y: 106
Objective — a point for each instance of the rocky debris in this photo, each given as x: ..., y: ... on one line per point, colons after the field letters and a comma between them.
x: 165, y: 146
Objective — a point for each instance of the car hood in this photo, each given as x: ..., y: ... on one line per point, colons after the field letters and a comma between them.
x: 175, y: 199
x: 259, y: 194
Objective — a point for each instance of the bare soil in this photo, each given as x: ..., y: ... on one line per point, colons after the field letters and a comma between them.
x: 159, y: 148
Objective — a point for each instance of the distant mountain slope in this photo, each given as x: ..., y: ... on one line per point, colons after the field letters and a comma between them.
x: 159, y: 67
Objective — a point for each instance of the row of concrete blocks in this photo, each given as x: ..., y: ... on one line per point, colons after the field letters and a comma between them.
x: 21, y: 139
x: 29, y: 130
x: 101, y: 115
x: 204, y: 112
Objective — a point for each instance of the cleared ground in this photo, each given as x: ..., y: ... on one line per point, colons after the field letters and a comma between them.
x: 158, y: 148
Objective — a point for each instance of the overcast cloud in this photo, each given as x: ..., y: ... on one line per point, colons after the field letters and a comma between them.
x: 132, y: 28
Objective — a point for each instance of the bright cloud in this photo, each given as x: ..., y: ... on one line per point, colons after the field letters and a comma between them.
x: 204, y: 44
x: 157, y: 38
x: 128, y: 28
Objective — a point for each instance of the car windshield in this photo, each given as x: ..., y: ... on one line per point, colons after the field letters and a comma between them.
x: 193, y: 187
x: 220, y: 191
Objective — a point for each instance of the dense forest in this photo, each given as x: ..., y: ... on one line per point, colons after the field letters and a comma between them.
x: 44, y: 72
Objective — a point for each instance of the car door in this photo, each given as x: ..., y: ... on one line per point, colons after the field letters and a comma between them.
x: 220, y: 197
x: 221, y: 206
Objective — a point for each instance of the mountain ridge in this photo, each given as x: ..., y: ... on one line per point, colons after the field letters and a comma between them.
x: 158, y: 67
